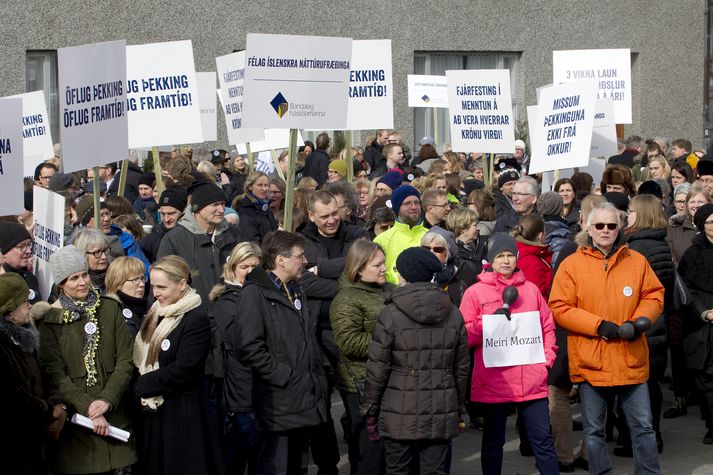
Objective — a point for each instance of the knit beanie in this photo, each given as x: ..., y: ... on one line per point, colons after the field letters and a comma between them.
x: 203, y: 193
x: 400, y: 194
x: 550, y: 204
x: 416, y: 264
x: 148, y: 179
x: 471, y: 184
x: 338, y: 166
x: 85, y: 209
x: 12, y: 234
x: 219, y: 156
x: 500, y: 242
x: 66, y: 261
x: 506, y: 176
x: 650, y: 187
x: 705, y: 167
x: 174, y: 196
x: 60, y: 182
x: 619, y: 200
x: 701, y: 216
x: 392, y: 179
x: 13, y: 291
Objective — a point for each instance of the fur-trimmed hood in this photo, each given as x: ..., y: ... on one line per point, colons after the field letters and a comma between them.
x: 25, y: 337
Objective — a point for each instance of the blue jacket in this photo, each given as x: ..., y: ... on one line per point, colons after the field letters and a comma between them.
x: 130, y: 245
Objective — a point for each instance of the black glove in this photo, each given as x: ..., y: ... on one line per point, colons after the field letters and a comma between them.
x: 632, y: 329
x: 503, y: 311
x: 608, y: 330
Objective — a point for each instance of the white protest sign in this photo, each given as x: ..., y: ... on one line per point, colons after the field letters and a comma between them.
x: 563, y: 128
x: 480, y: 110
x: 207, y: 101
x: 162, y: 99
x: 264, y: 162
x: 427, y: 91
x: 231, y: 74
x: 371, y: 97
x: 49, y: 234
x: 604, y: 140
x: 294, y: 82
x: 611, y: 68
x: 274, y: 139
x: 11, y: 156
x: 92, y: 104
x: 37, y: 138
x: 513, y: 342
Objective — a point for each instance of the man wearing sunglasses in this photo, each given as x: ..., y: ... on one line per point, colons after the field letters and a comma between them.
x: 597, y: 294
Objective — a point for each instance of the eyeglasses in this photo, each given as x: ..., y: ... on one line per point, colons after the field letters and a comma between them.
x: 23, y: 247
x: 609, y: 226
x: 105, y: 214
x: 298, y: 256
x: 440, y: 206
x: 412, y: 203
x: 680, y: 202
x: 98, y: 254
x: 436, y: 249
x: 136, y: 280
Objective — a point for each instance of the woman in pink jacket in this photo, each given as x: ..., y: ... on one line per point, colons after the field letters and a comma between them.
x: 526, y: 384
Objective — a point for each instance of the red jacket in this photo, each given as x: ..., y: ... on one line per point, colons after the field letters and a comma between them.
x: 535, y: 261
x: 508, y: 383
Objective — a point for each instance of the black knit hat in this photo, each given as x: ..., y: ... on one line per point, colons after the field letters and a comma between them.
x: 500, y: 242
x: 704, y: 167
x: 619, y: 200
x: 174, y: 196
x: 702, y: 215
x: 219, y: 156
x: 148, y: 179
x: 416, y: 264
x: 507, y: 175
x: 650, y: 187
x: 203, y: 193
x: 85, y: 209
x: 12, y: 234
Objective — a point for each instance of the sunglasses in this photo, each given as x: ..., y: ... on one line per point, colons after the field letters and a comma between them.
x: 609, y: 226
x: 436, y: 249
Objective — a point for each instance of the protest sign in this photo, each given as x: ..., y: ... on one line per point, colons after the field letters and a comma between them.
x: 427, y: 91
x: 207, y: 101
x: 563, y: 129
x: 296, y: 82
x: 480, y: 110
x: 36, y: 136
x: 92, y: 104
x: 162, y: 95
x: 371, y: 98
x: 264, y: 162
x: 11, y: 156
x: 231, y: 75
x: 610, y: 68
x: 49, y: 234
x: 274, y: 139
x: 604, y: 140
x: 512, y: 342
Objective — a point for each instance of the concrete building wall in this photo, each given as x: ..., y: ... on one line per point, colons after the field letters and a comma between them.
x: 667, y: 39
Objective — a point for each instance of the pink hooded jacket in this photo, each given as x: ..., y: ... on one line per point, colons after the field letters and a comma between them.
x: 508, y: 383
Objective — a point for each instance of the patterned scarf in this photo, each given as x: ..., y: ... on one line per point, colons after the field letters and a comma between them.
x: 74, y: 310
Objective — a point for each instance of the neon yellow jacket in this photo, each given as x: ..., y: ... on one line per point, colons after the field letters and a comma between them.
x: 395, y: 240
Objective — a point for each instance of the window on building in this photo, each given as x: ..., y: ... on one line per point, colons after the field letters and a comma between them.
x: 434, y: 122
x: 41, y: 74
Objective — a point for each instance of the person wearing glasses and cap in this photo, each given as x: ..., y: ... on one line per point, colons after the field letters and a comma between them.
x: 598, y: 294
x: 16, y: 247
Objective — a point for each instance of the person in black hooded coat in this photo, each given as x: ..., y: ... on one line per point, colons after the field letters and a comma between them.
x: 256, y: 218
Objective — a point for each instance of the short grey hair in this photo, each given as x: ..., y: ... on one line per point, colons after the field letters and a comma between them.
x: 682, y: 189
x: 88, y: 239
x: 604, y: 207
x: 533, y: 187
x: 432, y: 237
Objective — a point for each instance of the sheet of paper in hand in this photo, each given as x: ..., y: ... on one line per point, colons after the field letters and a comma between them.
x: 512, y: 342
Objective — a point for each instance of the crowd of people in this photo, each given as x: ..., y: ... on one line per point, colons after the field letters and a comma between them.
x: 216, y: 334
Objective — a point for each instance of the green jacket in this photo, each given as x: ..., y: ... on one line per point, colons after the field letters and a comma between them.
x: 353, y: 314
x: 79, y: 450
x: 401, y: 236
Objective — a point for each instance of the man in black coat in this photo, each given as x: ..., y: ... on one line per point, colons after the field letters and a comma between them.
x: 276, y: 338
x: 634, y: 146
x: 327, y: 241
x: 373, y: 155
x: 131, y: 192
x: 171, y: 204
x: 317, y: 162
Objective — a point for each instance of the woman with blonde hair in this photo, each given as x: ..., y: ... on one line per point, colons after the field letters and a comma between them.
x: 126, y: 285
x: 360, y: 297
x: 253, y: 207
x: 455, y: 165
x: 170, y: 353
x: 658, y: 167
x: 239, y: 431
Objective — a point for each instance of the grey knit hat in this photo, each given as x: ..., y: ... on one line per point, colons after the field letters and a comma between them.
x: 500, y: 242
x: 65, y: 262
x: 550, y: 204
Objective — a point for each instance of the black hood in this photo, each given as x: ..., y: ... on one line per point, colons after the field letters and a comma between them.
x: 422, y: 302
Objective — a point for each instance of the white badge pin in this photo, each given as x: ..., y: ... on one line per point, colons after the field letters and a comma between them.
x: 31, y: 294
x: 127, y: 313
x: 628, y: 291
x: 388, y: 203
x: 166, y: 344
x: 298, y: 304
x: 264, y: 207
x: 90, y: 328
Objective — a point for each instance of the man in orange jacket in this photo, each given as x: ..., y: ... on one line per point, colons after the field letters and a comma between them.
x: 598, y: 295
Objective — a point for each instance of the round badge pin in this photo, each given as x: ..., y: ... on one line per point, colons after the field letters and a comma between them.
x: 298, y: 304
x: 264, y: 207
x: 166, y: 344
x: 31, y: 294
x: 90, y: 328
x: 388, y: 204
x: 127, y: 313
x: 628, y: 291
x: 410, y: 177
